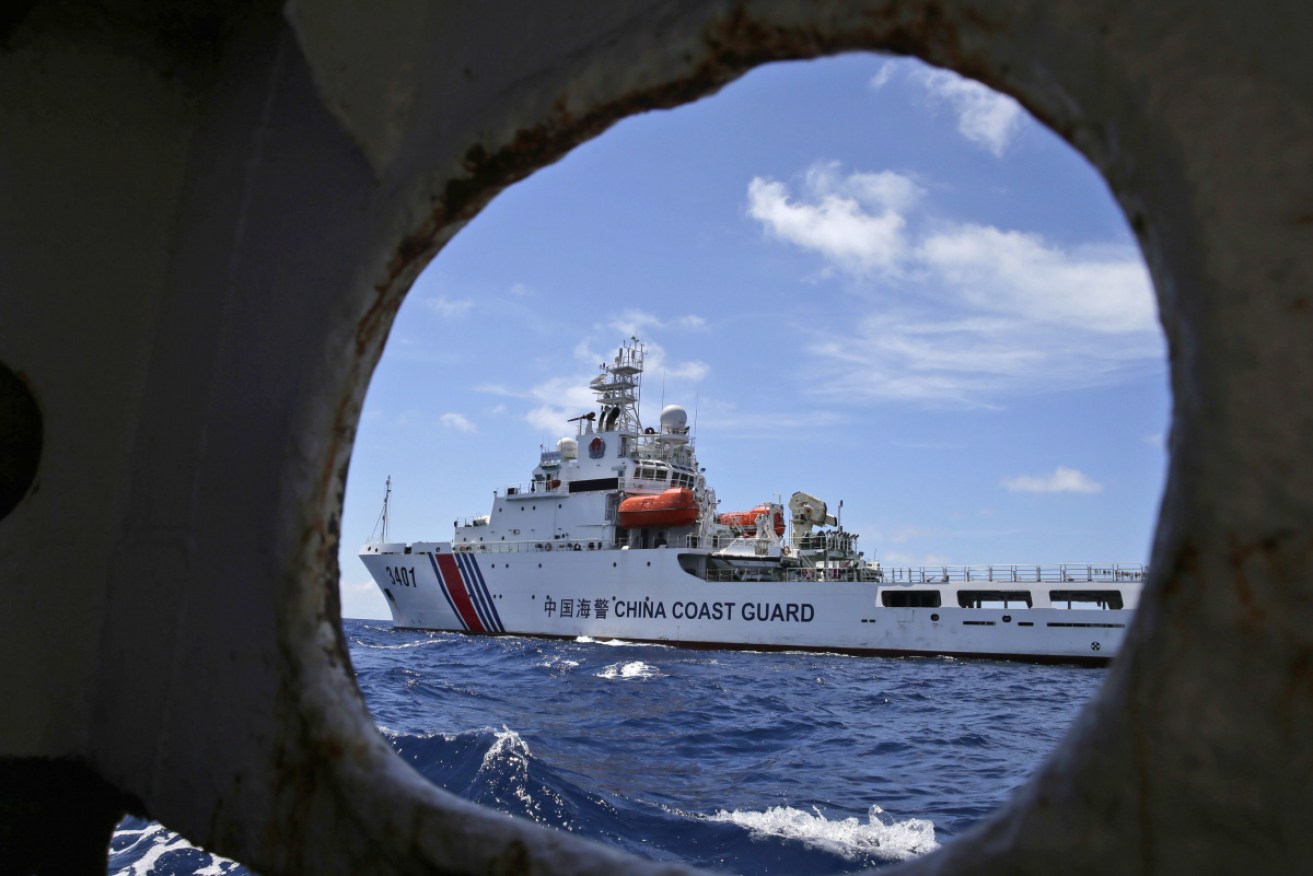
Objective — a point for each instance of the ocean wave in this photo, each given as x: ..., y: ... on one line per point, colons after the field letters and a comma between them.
x: 417, y: 643
x: 152, y: 848
x: 558, y: 663
x: 523, y: 726
x: 619, y: 643
x: 632, y: 669
x: 880, y: 837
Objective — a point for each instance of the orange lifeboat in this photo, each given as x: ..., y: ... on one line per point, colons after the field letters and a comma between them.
x: 674, y: 507
x: 746, y: 521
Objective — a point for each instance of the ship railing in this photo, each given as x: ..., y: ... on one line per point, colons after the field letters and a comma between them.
x: 834, y: 541
x: 795, y: 574
x: 641, y: 486
x: 1060, y: 573
x: 534, y: 487
x: 546, y: 545
x: 715, y: 543
x: 837, y: 544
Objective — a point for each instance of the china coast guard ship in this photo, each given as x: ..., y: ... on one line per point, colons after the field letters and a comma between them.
x: 618, y: 536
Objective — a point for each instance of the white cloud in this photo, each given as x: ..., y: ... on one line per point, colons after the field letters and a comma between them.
x: 657, y: 365
x: 560, y: 399
x: 727, y: 418
x: 965, y: 313
x: 635, y: 322
x: 853, y: 221
x: 458, y: 422
x: 883, y: 75
x: 985, y: 117
x: 362, y: 599
x: 449, y: 307
x: 1013, y: 318
x: 1063, y: 480
x: 1011, y: 272
x: 584, y: 353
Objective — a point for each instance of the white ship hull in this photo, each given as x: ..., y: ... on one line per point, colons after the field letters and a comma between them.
x: 645, y: 595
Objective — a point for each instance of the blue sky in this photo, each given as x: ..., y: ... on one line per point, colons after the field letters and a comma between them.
x: 868, y: 279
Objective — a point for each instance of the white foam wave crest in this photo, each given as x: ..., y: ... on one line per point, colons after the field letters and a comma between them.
x: 881, y: 836
x: 153, y: 842
x: 508, y: 748
x: 394, y: 735
x: 419, y: 643
x: 557, y: 662
x: 632, y: 669
x: 618, y: 643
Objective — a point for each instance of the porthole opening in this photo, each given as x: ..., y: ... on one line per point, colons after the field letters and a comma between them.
x: 925, y: 327
x: 915, y: 325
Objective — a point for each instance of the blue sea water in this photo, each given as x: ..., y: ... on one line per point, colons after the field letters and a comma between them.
x: 742, y: 762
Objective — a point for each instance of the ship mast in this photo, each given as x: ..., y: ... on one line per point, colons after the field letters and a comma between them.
x: 382, y: 522
x: 618, y: 390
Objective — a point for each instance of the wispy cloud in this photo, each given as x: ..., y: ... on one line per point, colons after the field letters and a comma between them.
x: 883, y: 75
x: 498, y: 389
x: 958, y: 314
x: 727, y: 418
x: 658, y: 363
x: 1062, y: 480
x: 1105, y: 290
x: 559, y: 399
x: 449, y: 307
x: 986, y: 118
x: 459, y: 422
x: 636, y: 322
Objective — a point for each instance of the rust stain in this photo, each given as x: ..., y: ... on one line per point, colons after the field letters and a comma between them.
x: 1251, y: 612
x: 734, y: 44
x: 1271, y: 551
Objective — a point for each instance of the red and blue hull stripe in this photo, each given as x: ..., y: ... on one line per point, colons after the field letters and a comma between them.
x: 462, y: 584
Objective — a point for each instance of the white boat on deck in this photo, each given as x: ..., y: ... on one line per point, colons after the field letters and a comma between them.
x: 618, y: 536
